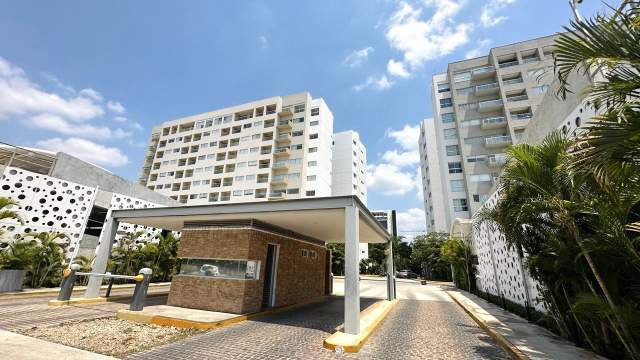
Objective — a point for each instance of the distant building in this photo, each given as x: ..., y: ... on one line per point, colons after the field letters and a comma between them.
x: 349, y: 165
x: 58, y: 192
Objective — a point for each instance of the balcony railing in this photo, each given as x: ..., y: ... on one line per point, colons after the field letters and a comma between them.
x: 524, y: 116
x: 489, y: 105
x: 482, y: 72
x: 497, y: 160
x: 485, y: 87
x: 494, y: 141
x: 517, y: 98
x: 517, y: 80
x: 508, y: 64
x: 493, y: 122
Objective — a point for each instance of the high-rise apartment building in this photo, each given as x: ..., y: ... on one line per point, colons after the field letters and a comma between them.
x: 349, y: 165
x: 480, y: 106
x: 270, y: 149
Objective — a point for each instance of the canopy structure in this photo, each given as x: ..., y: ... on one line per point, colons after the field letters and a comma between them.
x: 461, y: 228
x: 343, y: 219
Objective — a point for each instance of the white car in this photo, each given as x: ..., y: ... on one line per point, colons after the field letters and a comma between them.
x: 209, y: 270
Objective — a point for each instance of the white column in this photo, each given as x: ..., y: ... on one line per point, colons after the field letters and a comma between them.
x: 107, y: 236
x: 352, y: 271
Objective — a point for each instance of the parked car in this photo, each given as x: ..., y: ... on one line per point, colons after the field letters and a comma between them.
x: 406, y: 274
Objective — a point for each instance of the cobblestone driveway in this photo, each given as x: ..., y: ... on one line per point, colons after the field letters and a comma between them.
x: 413, y: 330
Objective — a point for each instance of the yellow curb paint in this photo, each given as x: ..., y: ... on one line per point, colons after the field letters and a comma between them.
x: 58, y: 302
x: 513, y: 350
x: 77, y: 301
x: 135, y: 316
x: 353, y: 343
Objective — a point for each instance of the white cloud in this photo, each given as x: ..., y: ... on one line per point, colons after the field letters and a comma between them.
x: 407, y: 137
x: 19, y: 96
x: 412, y: 221
x: 397, y: 69
x: 116, y: 107
x: 374, y: 82
x: 120, y: 119
x: 86, y: 150
x: 59, y: 84
x: 90, y: 93
x: 60, y: 125
x: 420, y: 39
x: 480, y: 49
x: 489, y: 17
x: 264, y: 42
x: 401, y: 159
x: 389, y: 179
x: 135, y: 125
x: 357, y: 57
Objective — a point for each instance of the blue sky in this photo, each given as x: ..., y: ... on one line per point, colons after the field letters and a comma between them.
x: 92, y: 78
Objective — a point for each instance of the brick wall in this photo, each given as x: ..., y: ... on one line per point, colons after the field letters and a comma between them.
x: 298, y: 278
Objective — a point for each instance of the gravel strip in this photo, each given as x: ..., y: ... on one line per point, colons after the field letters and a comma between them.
x: 110, y: 336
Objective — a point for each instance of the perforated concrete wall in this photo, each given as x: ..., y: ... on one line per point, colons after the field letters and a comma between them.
x: 499, y: 270
x: 54, y: 205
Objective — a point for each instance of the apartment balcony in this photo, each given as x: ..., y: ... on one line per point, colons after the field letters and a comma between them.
x: 497, y: 160
x: 280, y: 152
x: 280, y: 165
x: 497, y: 141
x: 279, y: 180
x: 285, y: 124
x: 522, y: 116
x: 286, y: 111
x: 515, y: 98
x: 494, y: 122
x: 277, y: 196
x: 486, y: 89
x: 508, y: 64
x: 517, y: 80
x: 483, y: 72
x: 283, y: 139
x: 489, y: 105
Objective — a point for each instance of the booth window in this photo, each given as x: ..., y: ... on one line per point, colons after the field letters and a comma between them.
x: 221, y: 268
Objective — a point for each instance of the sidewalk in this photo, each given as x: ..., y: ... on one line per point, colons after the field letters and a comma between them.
x: 525, y: 340
x: 19, y: 347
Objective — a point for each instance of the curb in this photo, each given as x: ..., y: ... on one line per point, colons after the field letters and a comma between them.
x: 140, y: 317
x: 353, y: 343
x: 511, y: 349
x: 77, y: 290
x: 100, y: 300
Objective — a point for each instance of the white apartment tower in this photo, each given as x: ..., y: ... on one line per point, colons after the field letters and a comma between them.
x: 349, y: 165
x: 480, y: 106
x: 270, y: 149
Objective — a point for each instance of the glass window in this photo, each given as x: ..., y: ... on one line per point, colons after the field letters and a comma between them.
x: 465, y: 90
x: 470, y: 123
x: 314, y: 123
x: 315, y: 111
x: 444, y: 87
x: 311, y: 178
x: 455, y: 167
x: 313, y: 149
x: 298, y: 120
x: 460, y: 205
x: 312, y: 163
x: 221, y: 268
x: 456, y: 185
x: 463, y: 76
x: 452, y: 150
x: 448, y: 118
x: 476, y: 158
x: 298, y: 108
x: 450, y: 134
x: 313, y: 136
x: 445, y: 103
x: 480, y: 178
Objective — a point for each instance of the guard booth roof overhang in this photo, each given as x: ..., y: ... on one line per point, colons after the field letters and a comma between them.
x: 343, y: 219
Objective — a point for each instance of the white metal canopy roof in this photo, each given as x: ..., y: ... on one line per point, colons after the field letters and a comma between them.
x: 320, y: 218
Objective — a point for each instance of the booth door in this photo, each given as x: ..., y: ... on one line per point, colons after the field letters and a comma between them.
x: 268, y: 294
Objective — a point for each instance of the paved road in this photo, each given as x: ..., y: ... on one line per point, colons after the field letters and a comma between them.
x: 426, y: 324
x: 20, y: 314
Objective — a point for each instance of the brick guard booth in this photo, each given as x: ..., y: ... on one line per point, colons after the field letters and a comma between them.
x: 244, y: 257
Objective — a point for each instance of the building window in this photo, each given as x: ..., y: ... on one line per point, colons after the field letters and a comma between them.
x: 298, y: 120
x: 455, y: 167
x: 298, y: 108
x: 463, y: 76
x: 311, y: 193
x: 444, y: 87
x: 448, y: 118
x: 460, y: 205
x: 314, y: 123
x: 450, y: 134
x: 445, y: 103
x: 313, y: 149
x: 452, y: 150
x: 312, y: 163
x: 315, y: 111
x: 221, y: 268
x: 480, y: 178
x: 456, y: 185
x: 311, y: 178
x: 297, y: 133
x: 313, y: 136
x: 476, y: 198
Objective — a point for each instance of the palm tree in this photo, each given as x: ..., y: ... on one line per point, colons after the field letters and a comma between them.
x: 5, y: 213
x: 166, y: 257
x: 48, y: 257
x: 545, y: 208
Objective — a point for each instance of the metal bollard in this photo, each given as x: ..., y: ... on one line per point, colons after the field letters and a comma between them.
x: 68, y: 281
x: 140, y: 293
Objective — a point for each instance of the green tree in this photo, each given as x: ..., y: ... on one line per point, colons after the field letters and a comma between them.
x: 47, y: 258
x: 457, y: 253
x: 6, y: 213
x: 337, y: 258
x: 426, y: 257
x: 401, y: 253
